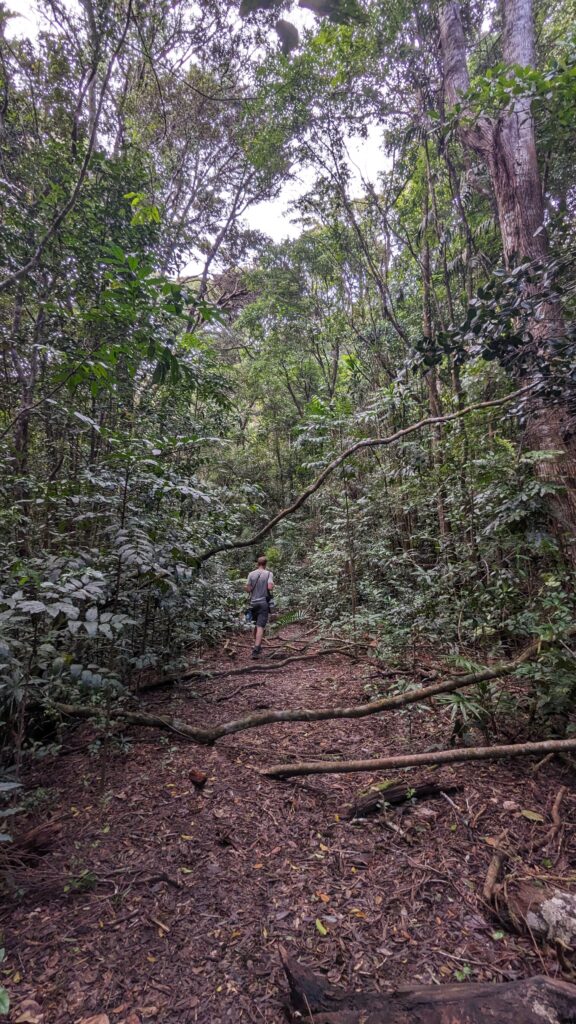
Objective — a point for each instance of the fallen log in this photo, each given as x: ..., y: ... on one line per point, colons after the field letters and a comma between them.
x: 380, y: 797
x: 390, y: 703
x: 286, y: 771
x: 537, y: 1000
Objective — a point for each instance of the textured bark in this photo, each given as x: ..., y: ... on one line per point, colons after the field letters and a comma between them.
x: 508, y: 147
x: 531, y: 1001
x: 376, y: 764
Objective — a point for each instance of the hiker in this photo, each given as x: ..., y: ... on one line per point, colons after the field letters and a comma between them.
x: 259, y: 585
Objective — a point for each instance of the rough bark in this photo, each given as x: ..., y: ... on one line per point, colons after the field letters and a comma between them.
x: 508, y: 147
x: 378, y: 799
x: 375, y: 764
x: 531, y: 1001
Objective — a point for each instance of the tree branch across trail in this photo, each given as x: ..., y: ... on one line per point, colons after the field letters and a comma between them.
x: 368, y: 442
x: 452, y: 756
x: 245, y: 670
x: 390, y: 703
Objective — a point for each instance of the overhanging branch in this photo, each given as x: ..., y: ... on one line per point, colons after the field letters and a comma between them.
x: 368, y: 442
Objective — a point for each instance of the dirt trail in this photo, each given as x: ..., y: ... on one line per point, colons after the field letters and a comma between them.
x: 177, y: 898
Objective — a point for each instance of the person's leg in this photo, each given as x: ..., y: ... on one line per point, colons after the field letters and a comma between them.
x: 261, y: 620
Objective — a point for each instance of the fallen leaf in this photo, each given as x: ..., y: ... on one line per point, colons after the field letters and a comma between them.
x: 29, y: 1012
x: 532, y: 815
x: 320, y: 927
x: 323, y: 896
x: 99, y: 1018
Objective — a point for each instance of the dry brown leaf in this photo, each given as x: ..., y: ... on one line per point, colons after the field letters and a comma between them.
x: 29, y: 1012
x: 98, y: 1018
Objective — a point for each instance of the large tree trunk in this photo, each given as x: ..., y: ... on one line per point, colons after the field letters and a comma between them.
x: 507, y: 145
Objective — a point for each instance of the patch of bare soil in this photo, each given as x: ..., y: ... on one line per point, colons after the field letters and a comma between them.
x: 149, y: 899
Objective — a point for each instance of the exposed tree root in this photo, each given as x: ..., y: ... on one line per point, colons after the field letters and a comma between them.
x: 286, y: 771
x: 245, y: 670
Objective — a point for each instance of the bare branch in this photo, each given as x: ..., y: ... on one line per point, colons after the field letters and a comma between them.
x: 369, y: 442
x: 286, y: 771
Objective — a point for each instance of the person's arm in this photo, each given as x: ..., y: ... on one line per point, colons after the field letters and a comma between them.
x: 247, y: 586
x: 270, y: 582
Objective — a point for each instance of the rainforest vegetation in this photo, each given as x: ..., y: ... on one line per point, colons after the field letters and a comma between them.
x: 383, y: 401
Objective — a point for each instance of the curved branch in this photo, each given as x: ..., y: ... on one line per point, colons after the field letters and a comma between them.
x: 392, y: 703
x: 400, y: 700
x: 369, y: 442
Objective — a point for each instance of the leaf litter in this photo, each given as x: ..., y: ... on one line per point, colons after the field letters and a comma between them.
x: 174, y: 874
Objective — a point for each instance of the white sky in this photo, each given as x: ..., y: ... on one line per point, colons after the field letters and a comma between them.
x: 273, y: 216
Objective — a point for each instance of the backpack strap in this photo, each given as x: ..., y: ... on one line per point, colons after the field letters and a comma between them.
x: 260, y: 577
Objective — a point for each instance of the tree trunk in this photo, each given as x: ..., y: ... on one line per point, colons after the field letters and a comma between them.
x: 507, y: 145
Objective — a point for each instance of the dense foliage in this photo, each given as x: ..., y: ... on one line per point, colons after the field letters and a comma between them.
x: 171, y: 378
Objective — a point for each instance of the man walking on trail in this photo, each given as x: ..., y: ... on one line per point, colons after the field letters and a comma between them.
x: 259, y: 585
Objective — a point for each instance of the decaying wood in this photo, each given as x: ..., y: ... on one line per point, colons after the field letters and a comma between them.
x: 286, y: 771
x: 537, y: 1000
x: 380, y: 797
x: 492, y: 875
x: 544, y: 913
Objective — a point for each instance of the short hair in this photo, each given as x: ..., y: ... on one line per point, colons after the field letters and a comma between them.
x: 261, y: 560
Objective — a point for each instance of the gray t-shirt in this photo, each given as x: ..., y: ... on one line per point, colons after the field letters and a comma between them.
x: 258, y: 581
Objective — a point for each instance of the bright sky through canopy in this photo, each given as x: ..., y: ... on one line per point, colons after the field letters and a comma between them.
x: 272, y: 217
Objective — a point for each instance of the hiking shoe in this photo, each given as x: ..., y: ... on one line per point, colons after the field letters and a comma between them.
x: 256, y: 652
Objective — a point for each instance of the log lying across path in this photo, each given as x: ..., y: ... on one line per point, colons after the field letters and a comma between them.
x: 452, y: 756
x: 399, y: 700
x: 391, y: 703
x: 538, y: 1000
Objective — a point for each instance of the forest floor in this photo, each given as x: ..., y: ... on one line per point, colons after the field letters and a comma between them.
x: 157, y: 901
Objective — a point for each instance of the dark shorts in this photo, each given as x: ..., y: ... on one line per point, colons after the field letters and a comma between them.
x: 260, y: 614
